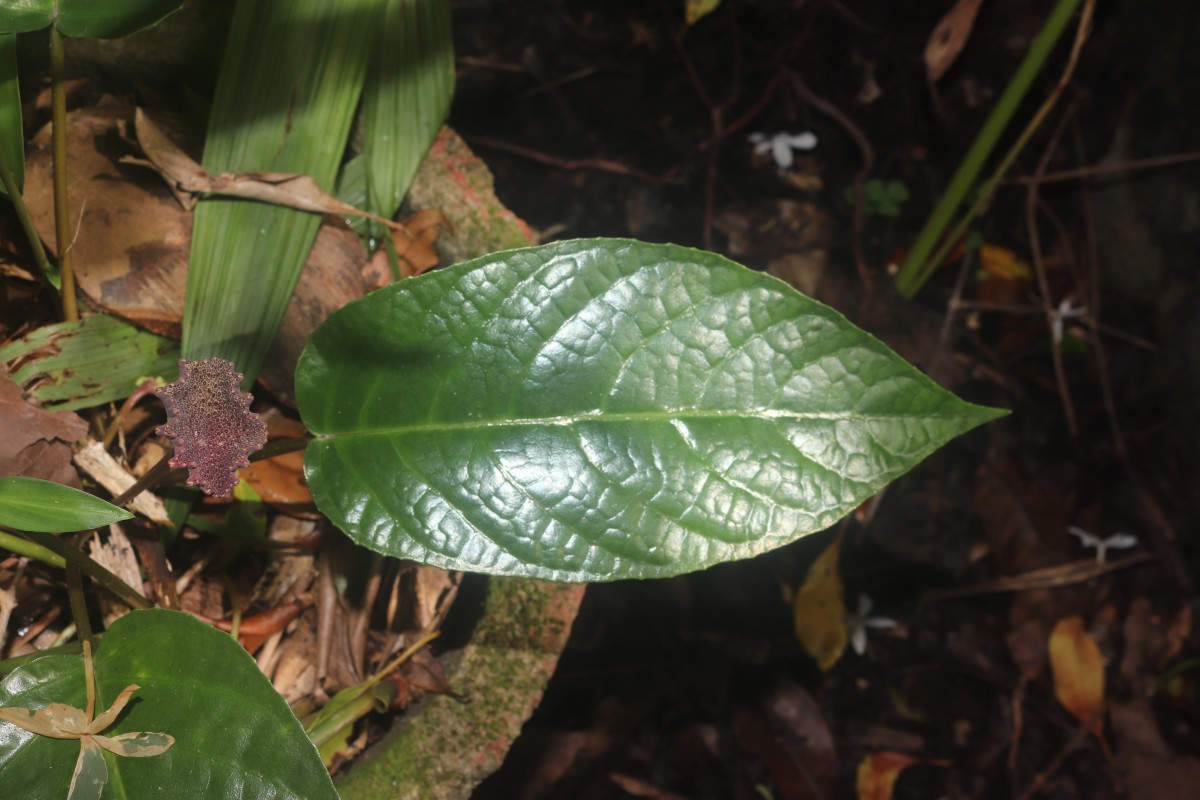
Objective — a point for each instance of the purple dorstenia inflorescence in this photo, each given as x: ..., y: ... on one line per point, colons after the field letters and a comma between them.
x: 210, y: 421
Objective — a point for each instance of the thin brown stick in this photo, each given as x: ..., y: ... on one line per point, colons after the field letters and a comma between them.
x: 860, y: 177
x: 1094, y: 305
x: 1097, y: 170
x: 1045, y: 578
x: 1039, y: 268
x: 1081, y: 731
x: 571, y: 164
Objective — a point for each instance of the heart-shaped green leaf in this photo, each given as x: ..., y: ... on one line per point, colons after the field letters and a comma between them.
x: 604, y: 409
x: 234, y: 734
x: 31, y: 504
x: 99, y: 19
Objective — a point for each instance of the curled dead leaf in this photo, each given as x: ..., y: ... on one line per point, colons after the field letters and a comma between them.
x: 188, y: 180
x: 949, y: 37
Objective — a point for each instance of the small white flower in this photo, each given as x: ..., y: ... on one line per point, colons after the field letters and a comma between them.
x: 781, y: 145
x: 1118, y: 541
x: 1066, y: 310
x: 860, y: 621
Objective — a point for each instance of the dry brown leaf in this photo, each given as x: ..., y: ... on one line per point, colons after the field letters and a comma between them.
x: 949, y: 37
x: 34, y: 442
x: 877, y: 774
x: 184, y: 175
x: 1152, y: 770
x: 820, y: 611
x: 279, y: 481
x: 415, y: 249
x: 1078, y: 669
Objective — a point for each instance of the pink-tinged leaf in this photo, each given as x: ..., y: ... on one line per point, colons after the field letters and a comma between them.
x: 140, y: 744
x: 110, y: 716
x: 91, y: 772
x: 57, y: 720
x: 210, y: 421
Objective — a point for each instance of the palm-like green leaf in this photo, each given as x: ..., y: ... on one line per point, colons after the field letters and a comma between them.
x: 604, y: 409
x: 88, y: 362
x: 407, y: 96
x: 291, y: 79
x: 234, y: 734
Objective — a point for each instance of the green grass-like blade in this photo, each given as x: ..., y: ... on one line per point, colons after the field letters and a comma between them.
x: 12, y: 139
x: 407, y: 96
x: 290, y: 81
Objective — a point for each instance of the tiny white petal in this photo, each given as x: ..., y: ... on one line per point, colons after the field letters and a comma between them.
x: 880, y: 623
x: 1085, y: 539
x: 782, y: 152
x: 1121, y: 541
x: 758, y: 138
x: 858, y: 639
x: 805, y: 140
x: 864, y: 605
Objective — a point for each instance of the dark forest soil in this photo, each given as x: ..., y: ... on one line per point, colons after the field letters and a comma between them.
x: 598, y: 121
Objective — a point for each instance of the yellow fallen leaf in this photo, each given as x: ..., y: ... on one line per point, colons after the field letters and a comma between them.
x: 694, y: 10
x: 1078, y: 669
x: 1003, y: 263
x: 820, y: 610
x: 877, y: 774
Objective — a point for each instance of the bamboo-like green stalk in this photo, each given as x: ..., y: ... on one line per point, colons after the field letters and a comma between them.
x: 919, y: 266
x: 9, y: 664
x: 24, y: 547
x: 35, y: 241
x: 62, y: 206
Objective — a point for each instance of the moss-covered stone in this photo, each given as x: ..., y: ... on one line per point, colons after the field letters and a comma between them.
x: 444, y: 746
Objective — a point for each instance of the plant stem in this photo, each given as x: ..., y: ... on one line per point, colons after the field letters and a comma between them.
x: 157, y: 473
x: 24, y: 547
x: 8, y: 665
x: 95, y: 571
x: 35, y: 241
x: 79, y: 610
x: 918, y: 266
x: 62, y: 207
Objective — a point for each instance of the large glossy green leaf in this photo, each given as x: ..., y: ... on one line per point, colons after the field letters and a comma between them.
x: 234, y: 734
x: 604, y: 409
x: 99, y: 19
x: 290, y: 81
x: 407, y: 96
x: 12, y: 137
x: 31, y: 504
x: 22, y: 16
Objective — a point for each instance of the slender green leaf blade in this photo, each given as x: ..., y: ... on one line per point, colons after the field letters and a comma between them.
x: 604, y: 409
x: 84, y: 363
x: 234, y: 734
x: 22, y: 16
x: 406, y: 97
x: 12, y: 137
x: 290, y: 82
x: 108, y: 19
x: 31, y: 504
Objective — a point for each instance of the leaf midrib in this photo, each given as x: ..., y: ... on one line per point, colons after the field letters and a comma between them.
x: 682, y: 415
